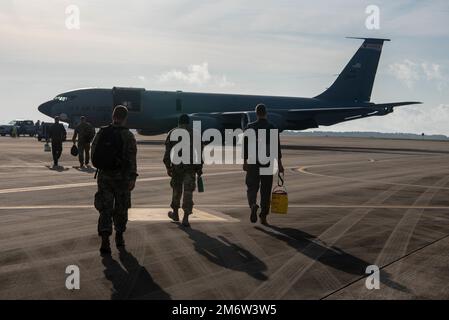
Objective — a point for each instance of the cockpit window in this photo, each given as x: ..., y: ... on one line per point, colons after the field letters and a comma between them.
x: 61, y: 98
x: 64, y: 98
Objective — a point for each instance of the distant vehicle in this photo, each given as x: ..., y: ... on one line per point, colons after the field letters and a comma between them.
x: 43, y: 131
x: 5, y: 129
x: 24, y: 127
x: 155, y: 112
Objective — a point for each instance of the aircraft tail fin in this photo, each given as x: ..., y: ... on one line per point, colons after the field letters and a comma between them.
x: 355, y: 82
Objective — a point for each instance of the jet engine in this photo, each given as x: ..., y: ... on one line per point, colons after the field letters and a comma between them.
x: 208, y: 121
x: 276, y: 119
x: 149, y: 132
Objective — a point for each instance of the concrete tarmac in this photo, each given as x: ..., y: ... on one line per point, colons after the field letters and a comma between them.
x: 352, y: 203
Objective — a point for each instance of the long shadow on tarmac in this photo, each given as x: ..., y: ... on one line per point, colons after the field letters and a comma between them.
x: 226, y: 254
x: 151, y: 142
x: 331, y: 256
x: 133, y: 281
x: 88, y: 169
x: 58, y: 168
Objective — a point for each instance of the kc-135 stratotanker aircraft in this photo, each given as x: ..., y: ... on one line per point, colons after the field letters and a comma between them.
x: 157, y: 112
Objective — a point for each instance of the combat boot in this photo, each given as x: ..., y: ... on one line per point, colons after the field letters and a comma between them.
x: 185, y: 220
x: 174, y: 215
x: 105, y: 245
x: 119, y: 240
x: 253, y: 216
x: 263, y: 219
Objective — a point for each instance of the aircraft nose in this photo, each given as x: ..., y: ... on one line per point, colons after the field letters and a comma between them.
x: 46, y: 108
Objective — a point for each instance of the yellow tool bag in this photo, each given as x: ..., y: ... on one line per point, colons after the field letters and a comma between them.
x: 279, y: 197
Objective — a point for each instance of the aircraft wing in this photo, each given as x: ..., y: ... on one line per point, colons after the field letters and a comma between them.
x: 365, y: 107
x: 373, y: 106
x: 332, y: 115
x: 299, y: 118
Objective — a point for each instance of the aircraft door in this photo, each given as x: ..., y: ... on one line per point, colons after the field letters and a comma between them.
x: 179, y: 106
x: 128, y: 97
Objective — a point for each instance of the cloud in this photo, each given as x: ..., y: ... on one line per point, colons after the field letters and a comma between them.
x: 407, y: 72
x: 415, y: 18
x: 432, y: 71
x: 427, y: 119
x: 430, y: 120
x: 196, y: 74
x: 410, y: 72
x: 223, y: 82
x: 267, y: 47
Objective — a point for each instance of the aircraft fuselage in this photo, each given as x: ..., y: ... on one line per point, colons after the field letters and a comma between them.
x: 155, y: 112
x: 159, y: 111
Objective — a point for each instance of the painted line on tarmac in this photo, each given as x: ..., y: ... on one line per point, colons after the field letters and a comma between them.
x: 304, y: 170
x: 19, y: 166
x: 303, y: 206
x: 149, y: 214
x: 50, y: 187
x: 47, y: 207
x: 160, y: 214
x: 90, y: 184
x: 34, y: 166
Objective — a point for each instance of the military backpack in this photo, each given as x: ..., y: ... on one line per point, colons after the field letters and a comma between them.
x: 108, y: 153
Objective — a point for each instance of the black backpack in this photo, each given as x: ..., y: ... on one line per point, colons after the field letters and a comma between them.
x: 108, y: 153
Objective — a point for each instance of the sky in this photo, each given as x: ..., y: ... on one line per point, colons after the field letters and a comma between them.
x: 288, y: 48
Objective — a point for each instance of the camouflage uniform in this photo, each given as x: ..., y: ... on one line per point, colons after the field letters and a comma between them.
x: 183, y: 180
x: 113, y: 198
x: 85, y: 133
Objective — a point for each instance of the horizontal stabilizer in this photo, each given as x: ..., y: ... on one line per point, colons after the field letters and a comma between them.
x: 370, y: 39
x: 396, y: 104
x: 325, y: 109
